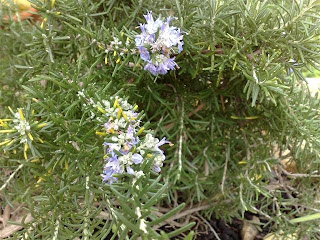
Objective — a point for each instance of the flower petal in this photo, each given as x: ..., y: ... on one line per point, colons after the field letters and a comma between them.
x: 137, y: 158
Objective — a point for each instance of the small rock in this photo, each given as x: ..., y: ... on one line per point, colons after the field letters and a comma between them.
x: 249, y: 230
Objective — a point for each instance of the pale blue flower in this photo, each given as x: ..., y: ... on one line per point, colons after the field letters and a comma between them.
x: 112, y: 167
x: 152, y: 26
x: 130, y: 170
x: 159, y: 155
x: 137, y: 158
x: 151, y: 68
x: 112, y: 146
x: 161, y: 142
x: 156, y: 168
x: 123, y: 149
x: 144, y: 53
x: 130, y: 133
x: 161, y: 65
x: 157, y: 42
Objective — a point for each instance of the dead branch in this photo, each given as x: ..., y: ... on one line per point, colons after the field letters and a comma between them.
x: 299, y: 175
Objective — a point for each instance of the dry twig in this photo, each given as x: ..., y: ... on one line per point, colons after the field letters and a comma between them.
x: 299, y: 175
x: 183, y: 214
x: 209, y: 225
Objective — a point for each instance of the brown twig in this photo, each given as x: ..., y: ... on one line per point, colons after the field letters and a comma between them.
x: 255, y: 53
x: 197, y: 109
x: 222, y: 104
x: 220, y: 51
x: 171, y: 223
x: 104, y: 215
x: 284, y: 185
x: 244, y: 136
x: 225, y: 171
x: 298, y: 175
x: 175, y: 199
x: 163, y: 210
x: 183, y: 214
x: 209, y: 225
x: 216, y: 51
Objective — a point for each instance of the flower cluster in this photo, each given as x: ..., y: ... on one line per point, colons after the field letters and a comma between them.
x: 125, y: 149
x: 18, y: 129
x: 118, y: 49
x: 157, y: 42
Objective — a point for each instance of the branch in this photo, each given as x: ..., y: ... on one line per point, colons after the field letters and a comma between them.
x: 197, y: 109
x: 299, y: 175
x: 11, y: 177
x: 183, y: 214
x: 248, y: 153
x: 225, y: 168
x: 180, y: 140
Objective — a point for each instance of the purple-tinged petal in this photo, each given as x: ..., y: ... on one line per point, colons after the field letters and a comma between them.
x: 180, y: 44
x: 130, y: 170
x: 151, y: 38
x: 137, y: 158
x: 162, y: 69
x: 111, y: 146
x: 169, y: 19
x: 123, y: 152
x: 106, y: 125
x: 135, y: 141
x: 139, y: 41
x: 144, y: 53
x: 161, y: 142
x: 171, y: 63
x: 149, y: 17
x: 108, y: 180
x: 156, y: 168
x: 151, y: 68
x: 142, y: 28
x: 130, y: 133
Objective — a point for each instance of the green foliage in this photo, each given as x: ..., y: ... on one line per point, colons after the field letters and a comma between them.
x: 314, y: 73
x: 236, y: 107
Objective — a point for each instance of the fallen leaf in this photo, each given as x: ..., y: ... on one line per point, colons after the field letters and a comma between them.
x: 6, y: 215
x: 289, y: 165
x: 11, y: 229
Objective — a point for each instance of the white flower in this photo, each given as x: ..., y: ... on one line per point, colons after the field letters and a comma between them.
x: 152, y: 26
x: 116, y: 41
x: 126, y: 159
x: 150, y: 141
x: 21, y: 125
x: 114, y: 138
x: 81, y: 93
x: 106, y: 103
x: 139, y: 174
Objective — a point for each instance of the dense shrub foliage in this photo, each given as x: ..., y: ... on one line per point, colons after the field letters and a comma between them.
x: 233, y: 104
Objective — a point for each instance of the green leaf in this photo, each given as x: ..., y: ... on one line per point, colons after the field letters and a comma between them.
x: 307, y: 218
x: 181, y: 230
x: 167, y: 215
x: 156, y: 196
x: 128, y: 224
